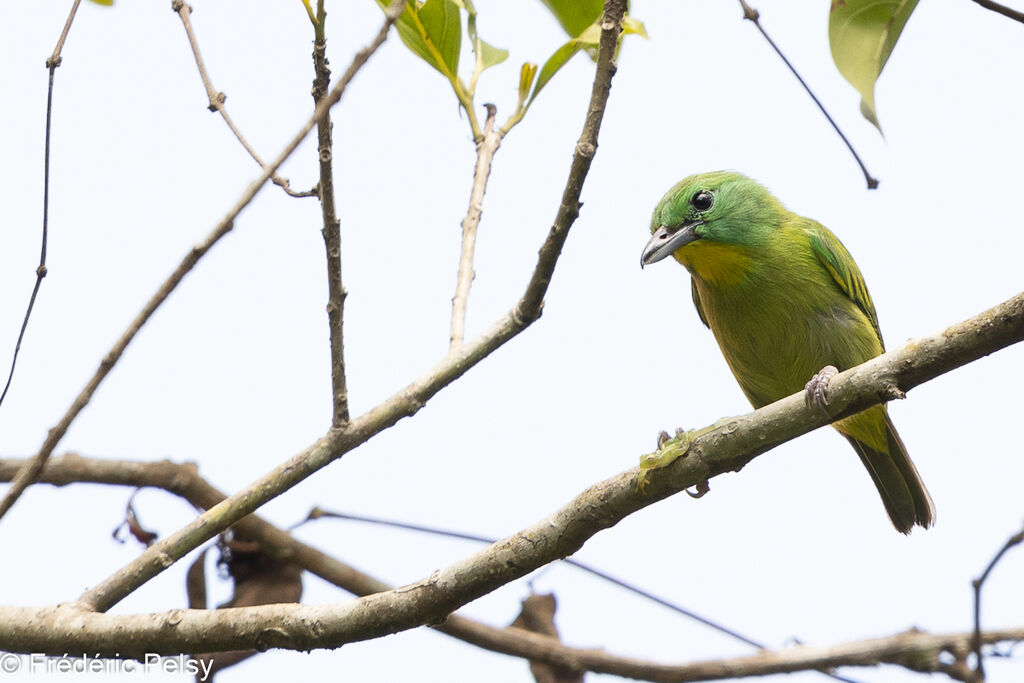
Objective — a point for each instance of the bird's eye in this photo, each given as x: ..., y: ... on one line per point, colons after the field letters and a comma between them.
x: 703, y: 200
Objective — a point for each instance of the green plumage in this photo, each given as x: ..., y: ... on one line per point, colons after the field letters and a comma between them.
x: 784, y: 299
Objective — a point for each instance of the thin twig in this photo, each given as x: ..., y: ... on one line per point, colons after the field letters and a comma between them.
x: 317, y: 513
x: 485, y: 149
x: 407, y: 401
x: 331, y: 230
x: 31, y: 471
x: 1002, y: 9
x: 218, y: 98
x: 976, y: 641
x: 753, y: 15
x: 52, y: 62
x: 55, y: 58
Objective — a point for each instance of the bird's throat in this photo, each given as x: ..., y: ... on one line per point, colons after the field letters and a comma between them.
x: 718, y: 264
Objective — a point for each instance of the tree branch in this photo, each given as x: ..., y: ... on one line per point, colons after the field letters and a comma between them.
x: 31, y: 471
x: 218, y: 98
x: 406, y: 402
x: 532, y: 303
x: 67, y: 631
x: 485, y: 149
x: 331, y: 230
x: 184, y: 481
x: 725, y: 447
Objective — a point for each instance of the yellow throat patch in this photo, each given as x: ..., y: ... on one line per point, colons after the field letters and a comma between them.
x: 721, y: 265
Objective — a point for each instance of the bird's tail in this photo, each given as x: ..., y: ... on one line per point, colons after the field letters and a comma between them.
x: 903, y: 493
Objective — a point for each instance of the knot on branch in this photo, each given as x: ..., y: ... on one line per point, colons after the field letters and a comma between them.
x: 217, y: 101
x: 586, y: 149
x: 270, y: 637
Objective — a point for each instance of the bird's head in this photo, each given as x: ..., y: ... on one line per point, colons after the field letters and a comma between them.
x: 723, y: 208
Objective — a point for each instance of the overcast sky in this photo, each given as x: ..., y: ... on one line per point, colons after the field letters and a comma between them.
x: 233, y: 372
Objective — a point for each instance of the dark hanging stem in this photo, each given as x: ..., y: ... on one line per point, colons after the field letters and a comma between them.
x: 1002, y: 9
x: 753, y: 15
x: 51, y: 64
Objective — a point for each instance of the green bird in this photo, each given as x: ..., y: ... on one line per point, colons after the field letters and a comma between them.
x: 786, y: 302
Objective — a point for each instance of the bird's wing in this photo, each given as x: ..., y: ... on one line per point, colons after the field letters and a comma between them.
x: 696, y: 303
x: 838, y: 262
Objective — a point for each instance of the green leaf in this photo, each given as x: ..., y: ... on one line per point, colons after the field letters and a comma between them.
x: 575, y: 15
x: 105, y: 3
x: 862, y: 34
x: 432, y: 30
x: 490, y: 55
x: 631, y: 25
x: 444, y: 28
x: 588, y: 38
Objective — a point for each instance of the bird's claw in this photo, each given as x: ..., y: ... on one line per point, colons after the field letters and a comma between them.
x: 816, y: 389
x: 663, y: 437
x: 702, y: 490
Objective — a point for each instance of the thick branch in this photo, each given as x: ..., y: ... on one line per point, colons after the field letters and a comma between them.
x: 406, y: 402
x: 727, y: 446
x: 31, y: 471
x: 65, y: 630
x: 485, y: 149
x: 331, y: 230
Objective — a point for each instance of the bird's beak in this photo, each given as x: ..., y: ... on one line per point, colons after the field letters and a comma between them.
x: 665, y: 241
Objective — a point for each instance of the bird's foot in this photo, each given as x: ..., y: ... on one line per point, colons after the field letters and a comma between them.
x: 669, y: 450
x: 700, y: 490
x: 816, y: 389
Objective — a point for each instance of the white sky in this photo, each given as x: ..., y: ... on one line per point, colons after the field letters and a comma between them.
x: 233, y: 371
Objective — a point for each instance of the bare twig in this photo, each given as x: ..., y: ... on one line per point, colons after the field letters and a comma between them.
x: 753, y: 15
x: 486, y: 146
x: 331, y: 230
x: 218, y: 98
x: 532, y: 303
x: 1002, y: 9
x: 977, y: 584
x: 52, y: 62
x: 31, y: 471
x: 409, y: 400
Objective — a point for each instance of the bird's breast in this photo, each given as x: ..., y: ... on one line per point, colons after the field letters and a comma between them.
x: 776, y: 335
